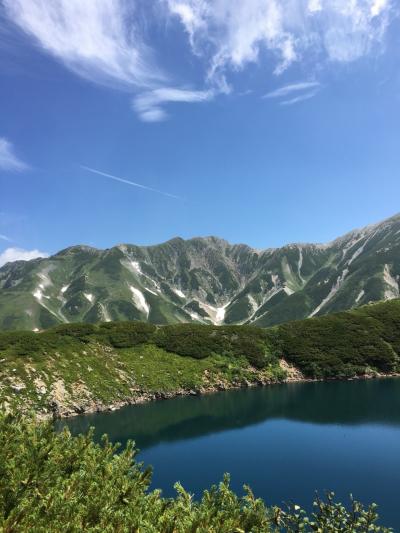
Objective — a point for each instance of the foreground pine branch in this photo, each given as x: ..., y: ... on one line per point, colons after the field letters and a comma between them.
x: 53, y: 482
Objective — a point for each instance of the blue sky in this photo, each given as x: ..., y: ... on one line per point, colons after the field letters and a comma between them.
x: 264, y: 122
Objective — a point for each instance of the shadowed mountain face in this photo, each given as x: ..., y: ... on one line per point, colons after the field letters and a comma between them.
x: 203, y: 280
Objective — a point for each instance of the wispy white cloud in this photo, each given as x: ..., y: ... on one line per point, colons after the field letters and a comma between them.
x: 148, y: 104
x: 101, y: 41
x: 290, y: 30
x: 97, y: 39
x: 18, y: 254
x: 300, y: 98
x: 378, y: 6
x: 5, y: 238
x: 8, y: 159
x: 128, y: 182
x: 292, y: 88
x: 303, y: 90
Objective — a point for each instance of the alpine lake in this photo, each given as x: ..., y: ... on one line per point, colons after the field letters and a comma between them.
x: 286, y: 442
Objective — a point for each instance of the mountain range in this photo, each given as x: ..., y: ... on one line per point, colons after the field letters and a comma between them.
x: 204, y: 280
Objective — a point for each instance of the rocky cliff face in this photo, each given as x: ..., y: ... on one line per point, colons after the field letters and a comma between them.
x: 204, y: 280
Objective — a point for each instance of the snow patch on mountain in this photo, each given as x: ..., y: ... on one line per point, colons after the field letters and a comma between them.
x: 351, y: 243
x: 45, y: 282
x: 38, y: 294
x: 270, y: 294
x: 288, y: 290
x: 88, y: 296
x: 44, y: 278
x: 220, y: 314
x: 216, y: 314
x: 331, y: 294
x: 134, y: 267
x: 179, y: 293
x: 152, y: 292
x: 275, y: 279
x: 361, y: 248
x: 300, y: 264
x: 356, y: 254
x: 105, y: 313
x: 392, y: 284
x: 140, y: 300
x: 360, y: 295
x: 64, y: 288
x: 253, y: 303
x: 195, y: 316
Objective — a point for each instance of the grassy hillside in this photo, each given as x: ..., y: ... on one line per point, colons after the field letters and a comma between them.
x: 81, y: 367
x: 53, y: 482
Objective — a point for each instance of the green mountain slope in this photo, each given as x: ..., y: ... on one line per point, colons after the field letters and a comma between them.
x: 203, y: 280
x: 74, y: 368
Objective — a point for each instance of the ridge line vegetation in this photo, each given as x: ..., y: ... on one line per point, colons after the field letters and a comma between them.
x: 92, y: 366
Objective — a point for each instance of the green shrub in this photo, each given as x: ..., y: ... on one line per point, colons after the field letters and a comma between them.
x: 53, y: 482
x: 198, y: 341
x: 344, y: 344
x: 78, y: 331
x: 340, y: 345
x: 127, y: 334
x: 190, y: 340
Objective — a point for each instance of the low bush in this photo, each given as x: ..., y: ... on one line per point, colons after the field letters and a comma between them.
x: 53, y: 482
x: 344, y: 344
x: 127, y: 334
x: 340, y: 345
x: 198, y: 341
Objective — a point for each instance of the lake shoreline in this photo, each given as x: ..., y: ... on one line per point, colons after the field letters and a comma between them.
x: 294, y: 376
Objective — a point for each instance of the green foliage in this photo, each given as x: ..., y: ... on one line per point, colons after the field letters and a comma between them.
x: 344, y: 344
x: 190, y: 340
x: 53, y: 482
x: 27, y: 343
x: 330, y: 516
x: 340, y: 345
x: 78, y: 331
x: 127, y: 334
x: 198, y: 341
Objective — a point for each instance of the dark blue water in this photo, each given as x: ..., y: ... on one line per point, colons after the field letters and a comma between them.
x: 285, y: 441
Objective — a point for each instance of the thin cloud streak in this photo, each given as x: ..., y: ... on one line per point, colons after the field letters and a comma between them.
x: 128, y: 182
x: 293, y: 87
x: 299, y: 98
x: 5, y: 238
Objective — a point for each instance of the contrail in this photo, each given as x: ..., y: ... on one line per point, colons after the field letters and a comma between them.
x: 122, y: 180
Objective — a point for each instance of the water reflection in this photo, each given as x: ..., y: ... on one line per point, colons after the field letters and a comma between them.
x: 356, y: 402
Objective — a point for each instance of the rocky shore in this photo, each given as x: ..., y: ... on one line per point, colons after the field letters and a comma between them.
x: 59, y: 408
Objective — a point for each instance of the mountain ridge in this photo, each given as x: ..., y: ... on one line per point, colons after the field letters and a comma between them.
x: 394, y: 217
x: 203, y: 279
